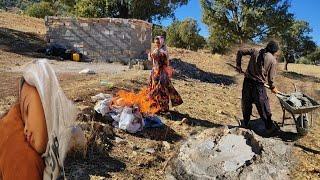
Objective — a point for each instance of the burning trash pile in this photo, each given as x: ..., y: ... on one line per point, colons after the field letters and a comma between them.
x: 130, y: 111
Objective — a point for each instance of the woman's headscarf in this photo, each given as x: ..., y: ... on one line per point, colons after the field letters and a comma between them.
x: 163, y: 47
x: 60, y: 114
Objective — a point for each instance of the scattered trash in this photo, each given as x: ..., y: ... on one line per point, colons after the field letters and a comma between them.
x: 101, y: 96
x: 126, y: 117
x: 107, y: 84
x: 87, y: 71
x: 131, y: 120
x: 62, y: 52
x: 185, y: 121
x: 152, y: 122
x: 150, y: 150
x: 102, y: 107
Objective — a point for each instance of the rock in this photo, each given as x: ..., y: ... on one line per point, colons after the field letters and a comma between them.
x: 166, y: 145
x: 87, y: 71
x: 120, y: 141
x: 150, y: 150
x: 134, y: 153
x: 236, y: 153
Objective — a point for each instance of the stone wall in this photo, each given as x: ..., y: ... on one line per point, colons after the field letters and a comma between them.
x: 101, y: 39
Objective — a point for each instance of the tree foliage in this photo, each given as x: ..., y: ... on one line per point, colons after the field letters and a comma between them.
x: 296, y: 39
x: 40, y: 10
x: 296, y: 42
x: 90, y: 8
x: 238, y: 21
x: 146, y: 10
x: 314, y: 57
x: 158, y: 30
x: 185, y: 34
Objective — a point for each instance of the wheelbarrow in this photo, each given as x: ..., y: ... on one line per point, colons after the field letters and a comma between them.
x: 301, y: 114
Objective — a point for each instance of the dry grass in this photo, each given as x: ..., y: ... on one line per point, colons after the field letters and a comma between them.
x: 22, y: 23
x: 311, y: 70
x: 208, y: 103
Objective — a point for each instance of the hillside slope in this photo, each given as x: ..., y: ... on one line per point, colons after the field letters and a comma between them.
x: 209, y: 86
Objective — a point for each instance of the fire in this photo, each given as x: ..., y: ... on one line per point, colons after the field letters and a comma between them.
x: 146, y: 105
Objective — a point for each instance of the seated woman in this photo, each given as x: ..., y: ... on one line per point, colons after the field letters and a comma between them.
x: 35, y: 133
x: 160, y: 86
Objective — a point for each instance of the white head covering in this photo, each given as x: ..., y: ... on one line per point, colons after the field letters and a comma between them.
x: 60, y: 114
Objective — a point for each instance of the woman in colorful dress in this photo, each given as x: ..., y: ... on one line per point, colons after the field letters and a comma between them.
x: 161, y: 89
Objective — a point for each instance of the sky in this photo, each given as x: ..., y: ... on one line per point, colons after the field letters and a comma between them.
x: 307, y: 10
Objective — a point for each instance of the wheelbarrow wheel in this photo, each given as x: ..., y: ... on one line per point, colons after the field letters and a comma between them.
x: 302, y: 125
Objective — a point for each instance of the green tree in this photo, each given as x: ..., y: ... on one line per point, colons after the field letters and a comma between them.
x: 296, y: 42
x: 238, y: 21
x: 173, y: 37
x: 90, y: 8
x: 314, y: 57
x: 158, y: 30
x: 146, y: 10
x: 40, y: 10
x: 185, y: 34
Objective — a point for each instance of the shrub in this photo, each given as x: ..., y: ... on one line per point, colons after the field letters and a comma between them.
x: 185, y: 34
x: 40, y: 10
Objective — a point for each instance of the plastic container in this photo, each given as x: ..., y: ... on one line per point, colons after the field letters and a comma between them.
x: 76, y: 57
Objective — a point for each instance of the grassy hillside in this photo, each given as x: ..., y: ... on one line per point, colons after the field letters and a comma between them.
x: 209, y: 86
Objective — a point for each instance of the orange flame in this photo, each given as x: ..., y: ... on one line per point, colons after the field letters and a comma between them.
x: 146, y: 105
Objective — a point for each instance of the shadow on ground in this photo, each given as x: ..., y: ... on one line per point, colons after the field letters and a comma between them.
x: 186, y: 70
x: 301, y: 77
x: 164, y: 133
x: 257, y: 125
x: 21, y: 42
x: 310, y: 150
x: 96, y: 162
x: 177, y: 116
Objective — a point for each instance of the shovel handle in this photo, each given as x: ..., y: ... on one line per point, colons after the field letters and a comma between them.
x: 266, y: 85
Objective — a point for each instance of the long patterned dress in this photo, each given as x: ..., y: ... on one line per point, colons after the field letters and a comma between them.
x: 161, y: 89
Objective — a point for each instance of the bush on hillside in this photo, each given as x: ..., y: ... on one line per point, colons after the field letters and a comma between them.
x: 304, y: 60
x: 185, y: 34
x: 158, y: 30
x: 314, y: 57
x: 40, y: 10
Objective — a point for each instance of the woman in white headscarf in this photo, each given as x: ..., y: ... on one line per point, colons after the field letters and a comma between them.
x: 44, y: 123
x: 161, y: 89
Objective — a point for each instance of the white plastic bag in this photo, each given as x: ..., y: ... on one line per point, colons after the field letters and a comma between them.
x: 102, y: 107
x: 129, y: 121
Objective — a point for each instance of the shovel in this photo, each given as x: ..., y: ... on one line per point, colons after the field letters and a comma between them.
x: 267, y: 86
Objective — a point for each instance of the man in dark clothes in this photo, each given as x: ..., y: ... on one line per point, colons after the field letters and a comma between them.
x: 260, y: 71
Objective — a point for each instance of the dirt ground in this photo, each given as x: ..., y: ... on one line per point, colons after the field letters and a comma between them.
x: 209, y: 86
